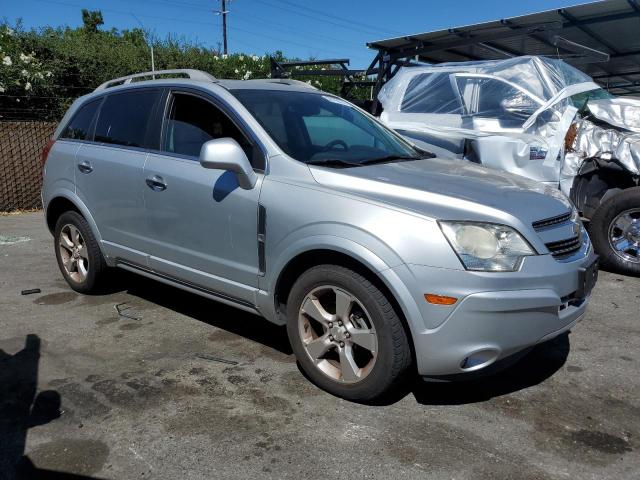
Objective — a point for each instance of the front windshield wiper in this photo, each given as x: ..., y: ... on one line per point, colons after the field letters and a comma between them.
x: 391, y: 158
x: 333, y: 162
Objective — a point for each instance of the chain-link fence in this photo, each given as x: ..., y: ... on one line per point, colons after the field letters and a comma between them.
x: 21, y: 145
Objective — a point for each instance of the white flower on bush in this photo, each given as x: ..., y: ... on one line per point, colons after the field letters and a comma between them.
x: 237, y: 71
x: 26, y: 58
x: 48, y: 74
x: 38, y: 75
x: 27, y: 86
x: 247, y: 75
x: 7, y: 61
x: 1, y: 88
x: 24, y: 73
x: 224, y: 57
x: 242, y: 58
x: 255, y: 58
x: 8, y: 31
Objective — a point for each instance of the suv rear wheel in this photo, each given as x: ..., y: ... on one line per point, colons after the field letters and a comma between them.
x: 615, y: 231
x: 346, y: 334
x: 79, y: 257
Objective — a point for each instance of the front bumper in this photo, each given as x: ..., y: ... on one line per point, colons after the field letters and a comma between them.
x: 496, y: 315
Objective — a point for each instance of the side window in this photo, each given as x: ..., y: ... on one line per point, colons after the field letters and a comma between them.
x: 193, y: 121
x: 431, y: 93
x: 78, y: 127
x: 124, y: 118
x: 500, y: 100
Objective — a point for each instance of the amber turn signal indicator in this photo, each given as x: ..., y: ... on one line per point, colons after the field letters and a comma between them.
x: 439, y: 299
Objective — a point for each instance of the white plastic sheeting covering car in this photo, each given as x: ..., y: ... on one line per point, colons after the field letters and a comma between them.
x: 540, y: 118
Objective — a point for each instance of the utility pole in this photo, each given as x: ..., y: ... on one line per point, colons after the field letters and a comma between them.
x: 223, y: 11
x: 224, y: 25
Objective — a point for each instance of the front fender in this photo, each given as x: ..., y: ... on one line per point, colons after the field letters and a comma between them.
x: 374, y: 261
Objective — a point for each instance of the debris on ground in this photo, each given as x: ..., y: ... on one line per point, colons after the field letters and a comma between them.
x: 217, y: 359
x: 30, y: 291
x: 10, y: 240
x: 121, y: 308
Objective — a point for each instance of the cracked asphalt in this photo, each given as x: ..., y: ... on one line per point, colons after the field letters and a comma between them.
x: 86, y: 391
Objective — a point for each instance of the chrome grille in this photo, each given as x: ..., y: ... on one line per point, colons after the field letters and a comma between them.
x: 552, y: 221
x: 563, y: 248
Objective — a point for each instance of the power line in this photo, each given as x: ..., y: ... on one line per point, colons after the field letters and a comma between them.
x: 127, y: 13
x: 249, y: 32
x: 276, y: 24
x: 375, y: 28
x: 348, y: 26
x: 263, y: 22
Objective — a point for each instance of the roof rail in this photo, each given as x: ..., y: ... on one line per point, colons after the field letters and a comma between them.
x: 292, y: 81
x: 192, y: 74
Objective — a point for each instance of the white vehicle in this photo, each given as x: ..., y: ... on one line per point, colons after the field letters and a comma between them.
x: 540, y: 118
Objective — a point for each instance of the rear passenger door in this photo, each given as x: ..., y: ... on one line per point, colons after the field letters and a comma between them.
x: 109, y: 170
x: 202, y: 227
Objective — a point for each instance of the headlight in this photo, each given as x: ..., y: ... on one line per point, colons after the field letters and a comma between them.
x: 487, y: 246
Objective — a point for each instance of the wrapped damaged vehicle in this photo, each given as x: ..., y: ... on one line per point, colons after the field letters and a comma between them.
x: 540, y: 118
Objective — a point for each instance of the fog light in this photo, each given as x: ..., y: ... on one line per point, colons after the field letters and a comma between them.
x: 479, y: 359
x: 439, y: 299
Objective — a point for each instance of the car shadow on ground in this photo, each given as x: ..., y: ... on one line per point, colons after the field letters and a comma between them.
x: 22, y: 408
x: 533, y: 368
x: 208, y: 311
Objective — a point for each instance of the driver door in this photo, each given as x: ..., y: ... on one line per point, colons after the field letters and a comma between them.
x: 202, y: 227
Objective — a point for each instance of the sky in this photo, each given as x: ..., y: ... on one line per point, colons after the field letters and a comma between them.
x: 299, y: 28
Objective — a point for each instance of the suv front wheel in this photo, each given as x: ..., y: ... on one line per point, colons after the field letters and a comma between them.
x: 346, y: 334
x: 79, y: 257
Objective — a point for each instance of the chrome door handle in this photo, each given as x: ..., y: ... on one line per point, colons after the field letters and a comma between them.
x: 156, y: 183
x: 85, y: 167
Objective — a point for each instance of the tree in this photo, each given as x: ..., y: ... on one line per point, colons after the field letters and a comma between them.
x: 92, y: 20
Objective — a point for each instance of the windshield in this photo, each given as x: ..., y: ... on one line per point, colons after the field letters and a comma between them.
x: 322, y: 129
x: 580, y: 99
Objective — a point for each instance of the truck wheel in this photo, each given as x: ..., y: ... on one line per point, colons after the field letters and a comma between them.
x: 615, y: 232
x: 79, y: 257
x: 346, y: 334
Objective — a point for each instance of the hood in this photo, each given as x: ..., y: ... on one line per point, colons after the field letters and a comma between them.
x: 446, y: 189
x: 620, y: 112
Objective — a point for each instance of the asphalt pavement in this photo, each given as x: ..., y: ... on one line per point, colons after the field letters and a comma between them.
x: 179, y: 387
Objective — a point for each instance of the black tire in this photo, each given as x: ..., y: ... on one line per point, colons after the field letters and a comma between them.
x: 393, y: 350
x: 96, y: 271
x: 600, y: 226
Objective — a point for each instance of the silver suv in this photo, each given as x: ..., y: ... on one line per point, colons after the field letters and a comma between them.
x: 293, y: 204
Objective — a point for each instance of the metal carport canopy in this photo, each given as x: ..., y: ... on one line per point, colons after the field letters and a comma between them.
x: 600, y: 38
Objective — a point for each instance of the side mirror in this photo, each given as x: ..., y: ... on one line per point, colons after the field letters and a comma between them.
x: 227, y: 154
x: 518, y: 105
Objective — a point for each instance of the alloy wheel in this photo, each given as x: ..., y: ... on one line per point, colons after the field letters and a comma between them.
x: 337, y: 334
x: 624, y: 235
x: 73, y: 253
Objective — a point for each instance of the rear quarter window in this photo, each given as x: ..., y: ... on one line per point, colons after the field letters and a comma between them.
x: 79, y: 126
x: 124, y: 118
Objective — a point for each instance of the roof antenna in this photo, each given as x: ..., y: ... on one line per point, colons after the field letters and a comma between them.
x: 150, y: 44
